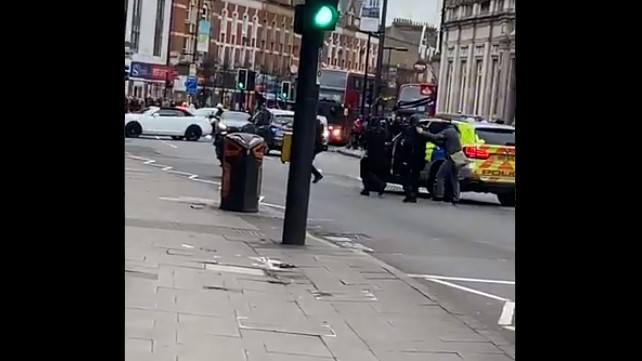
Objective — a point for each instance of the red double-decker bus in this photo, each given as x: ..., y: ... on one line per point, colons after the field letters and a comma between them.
x: 340, y: 100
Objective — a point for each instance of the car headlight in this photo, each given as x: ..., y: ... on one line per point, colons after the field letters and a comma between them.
x: 326, y: 134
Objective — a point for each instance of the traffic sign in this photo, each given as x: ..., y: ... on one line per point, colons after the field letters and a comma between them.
x: 191, y: 85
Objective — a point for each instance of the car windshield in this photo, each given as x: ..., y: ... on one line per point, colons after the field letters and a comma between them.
x: 235, y: 119
x: 496, y: 136
x: 284, y: 119
x: 204, y: 112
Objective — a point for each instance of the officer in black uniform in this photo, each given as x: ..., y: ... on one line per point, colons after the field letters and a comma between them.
x: 414, y: 159
x: 373, y: 166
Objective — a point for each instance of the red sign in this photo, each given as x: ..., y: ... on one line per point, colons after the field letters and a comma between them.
x: 152, y: 71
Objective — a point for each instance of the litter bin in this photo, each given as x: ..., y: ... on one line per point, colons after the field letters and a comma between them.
x: 286, y: 147
x: 242, y: 170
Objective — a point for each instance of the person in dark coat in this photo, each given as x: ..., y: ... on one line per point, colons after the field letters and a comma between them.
x: 414, y: 159
x: 374, y: 165
x: 318, y: 148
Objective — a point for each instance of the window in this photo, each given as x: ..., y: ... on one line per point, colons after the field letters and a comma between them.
x: 253, y: 43
x: 449, y: 84
x: 158, y: 30
x: 280, y: 47
x: 222, y: 37
x: 262, y: 44
x: 494, y: 76
x: 135, y: 32
x: 272, y: 45
x: 233, y: 42
x: 187, y: 45
x: 496, y: 136
x: 499, y: 6
x: 484, y: 8
x: 468, y: 11
x: 463, y: 86
x: 479, y: 66
x: 191, y: 12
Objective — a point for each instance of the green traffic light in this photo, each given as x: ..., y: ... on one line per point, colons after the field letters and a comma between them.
x: 325, y: 16
x: 284, y: 95
x: 241, y: 86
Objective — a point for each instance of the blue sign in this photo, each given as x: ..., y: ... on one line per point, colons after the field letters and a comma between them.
x: 191, y: 84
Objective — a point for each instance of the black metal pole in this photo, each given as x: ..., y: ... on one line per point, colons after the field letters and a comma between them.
x: 382, y: 42
x: 364, y: 86
x: 302, y: 151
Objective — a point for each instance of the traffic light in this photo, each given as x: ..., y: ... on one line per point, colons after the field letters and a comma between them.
x: 285, y: 90
x: 241, y: 79
x: 126, y: 72
x: 251, y: 80
x: 316, y: 15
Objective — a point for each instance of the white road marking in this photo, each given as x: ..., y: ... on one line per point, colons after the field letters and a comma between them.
x: 462, y: 279
x: 261, y: 198
x: 178, y: 172
x: 510, y: 328
x: 151, y: 161
x: 206, y: 181
x: 193, y: 176
x: 167, y: 168
x: 187, y: 245
x: 278, y: 206
x: 506, y: 318
x: 467, y: 289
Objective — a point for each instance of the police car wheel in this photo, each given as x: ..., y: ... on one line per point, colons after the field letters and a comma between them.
x: 507, y: 199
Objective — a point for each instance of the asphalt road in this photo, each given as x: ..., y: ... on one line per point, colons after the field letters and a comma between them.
x: 465, y: 253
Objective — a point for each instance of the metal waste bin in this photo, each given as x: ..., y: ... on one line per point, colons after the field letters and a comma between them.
x: 242, y: 171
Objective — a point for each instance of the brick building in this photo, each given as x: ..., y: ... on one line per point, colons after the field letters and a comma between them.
x: 258, y: 35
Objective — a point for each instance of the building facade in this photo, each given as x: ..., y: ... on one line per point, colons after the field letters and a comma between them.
x: 409, y: 42
x: 147, y: 24
x: 257, y: 35
x: 477, y: 58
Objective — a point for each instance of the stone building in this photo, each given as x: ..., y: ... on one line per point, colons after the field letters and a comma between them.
x: 477, y: 65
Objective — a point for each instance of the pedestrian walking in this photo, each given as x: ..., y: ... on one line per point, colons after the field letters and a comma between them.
x: 318, y: 148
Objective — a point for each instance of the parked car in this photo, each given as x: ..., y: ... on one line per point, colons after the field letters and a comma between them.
x: 178, y: 123
x: 280, y: 122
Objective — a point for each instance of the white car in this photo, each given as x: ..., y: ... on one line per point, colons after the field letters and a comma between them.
x: 177, y: 123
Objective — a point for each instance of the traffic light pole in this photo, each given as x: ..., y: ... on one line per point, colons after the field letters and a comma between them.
x: 302, y: 151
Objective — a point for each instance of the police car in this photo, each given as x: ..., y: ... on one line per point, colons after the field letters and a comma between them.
x: 489, y: 147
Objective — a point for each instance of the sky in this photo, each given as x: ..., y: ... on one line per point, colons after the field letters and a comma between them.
x: 416, y: 10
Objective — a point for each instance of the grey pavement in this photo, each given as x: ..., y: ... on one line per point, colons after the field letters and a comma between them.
x: 203, y: 284
x: 475, y: 240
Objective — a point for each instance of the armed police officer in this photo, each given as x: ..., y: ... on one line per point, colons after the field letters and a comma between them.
x: 374, y: 165
x: 413, y: 157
